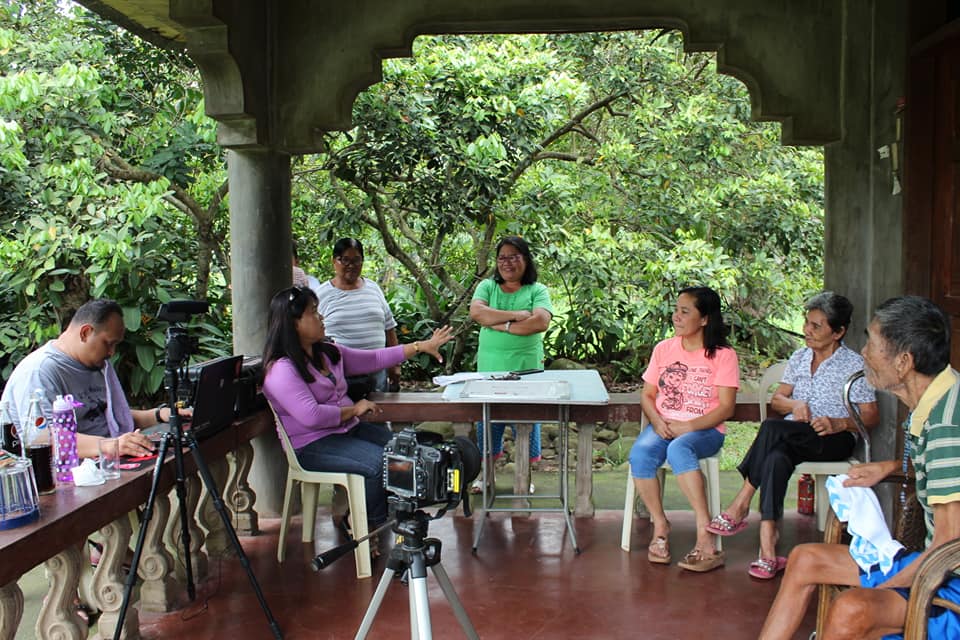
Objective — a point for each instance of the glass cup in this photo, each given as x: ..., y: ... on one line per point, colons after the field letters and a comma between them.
x: 110, y: 457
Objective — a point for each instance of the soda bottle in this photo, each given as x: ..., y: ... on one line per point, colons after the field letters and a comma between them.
x: 35, y: 440
x: 64, y: 437
x: 8, y: 431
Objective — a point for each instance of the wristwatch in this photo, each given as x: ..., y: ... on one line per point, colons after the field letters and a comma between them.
x: 157, y: 416
x: 507, y: 327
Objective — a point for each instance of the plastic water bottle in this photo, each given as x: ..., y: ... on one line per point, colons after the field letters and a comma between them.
x: 64, y: 437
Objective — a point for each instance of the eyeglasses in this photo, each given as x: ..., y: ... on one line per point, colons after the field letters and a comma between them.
x: 509, y: 259
x: 349, y: 262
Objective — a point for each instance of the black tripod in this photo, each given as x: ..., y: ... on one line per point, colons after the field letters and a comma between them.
x: 176, y: 439
x: 410, y: 557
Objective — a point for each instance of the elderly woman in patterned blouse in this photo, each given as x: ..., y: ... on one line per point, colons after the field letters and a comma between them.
x: 816, y: 425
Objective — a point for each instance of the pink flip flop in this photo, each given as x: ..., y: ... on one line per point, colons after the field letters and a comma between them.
x: 767, y: 568
x: 724, y: 525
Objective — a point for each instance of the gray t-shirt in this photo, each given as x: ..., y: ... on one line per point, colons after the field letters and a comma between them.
x: 56, y: 373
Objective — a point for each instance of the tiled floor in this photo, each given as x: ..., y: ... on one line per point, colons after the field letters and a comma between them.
x: 525, y: 582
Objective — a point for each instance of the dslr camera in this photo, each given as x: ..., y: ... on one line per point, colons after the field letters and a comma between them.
x: 422, y: 470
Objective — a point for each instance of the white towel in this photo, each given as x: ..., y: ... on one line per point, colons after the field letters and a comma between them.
x: 119, y: 418
x: 871, y: 542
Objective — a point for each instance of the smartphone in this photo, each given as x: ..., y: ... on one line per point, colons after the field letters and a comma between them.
x: 526, y: 372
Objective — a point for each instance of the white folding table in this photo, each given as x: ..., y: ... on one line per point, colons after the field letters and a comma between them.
x: 559, y: 388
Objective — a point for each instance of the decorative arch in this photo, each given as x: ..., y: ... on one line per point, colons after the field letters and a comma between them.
x: 787, y: 55
x: 281, y: 74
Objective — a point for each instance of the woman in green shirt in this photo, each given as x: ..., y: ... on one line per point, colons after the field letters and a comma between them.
x: 513, y: 311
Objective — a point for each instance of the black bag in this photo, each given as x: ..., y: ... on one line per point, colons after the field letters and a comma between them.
x: 359, y: 387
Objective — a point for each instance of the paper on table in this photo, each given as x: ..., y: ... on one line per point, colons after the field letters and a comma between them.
x: 463, y: 376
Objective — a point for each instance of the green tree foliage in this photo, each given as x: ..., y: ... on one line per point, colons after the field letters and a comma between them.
x: 110, y: 184
x: 632, y: 167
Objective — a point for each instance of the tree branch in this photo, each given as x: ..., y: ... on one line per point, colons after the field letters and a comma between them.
x: 566, y: 157
x: 558, y: 133
x: 203, y: 218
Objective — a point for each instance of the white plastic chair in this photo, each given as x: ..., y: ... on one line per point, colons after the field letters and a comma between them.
x: 309, y: 482
x: 819, y: 470
x: 710, y: 467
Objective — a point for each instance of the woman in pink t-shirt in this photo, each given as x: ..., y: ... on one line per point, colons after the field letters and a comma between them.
x: 690, y: 389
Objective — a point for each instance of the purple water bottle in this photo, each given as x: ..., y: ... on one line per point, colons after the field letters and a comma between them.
x: 64, y: 434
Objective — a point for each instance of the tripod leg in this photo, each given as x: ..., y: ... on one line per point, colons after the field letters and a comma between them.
x: 420, y: 628
x: 412, y: 606
x: 211, y: 486
x: 447, y: 587
x: 375, y: 603
x: 138, y: 549
x: 181, y: 485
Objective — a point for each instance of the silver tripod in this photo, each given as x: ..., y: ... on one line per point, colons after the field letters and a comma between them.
x: 410, y: 558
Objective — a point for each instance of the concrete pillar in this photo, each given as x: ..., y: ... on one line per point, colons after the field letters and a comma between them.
x: 260, y: 262
x: 862, y: 252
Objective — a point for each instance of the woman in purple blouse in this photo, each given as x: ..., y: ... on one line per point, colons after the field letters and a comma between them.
x: 305, y: 382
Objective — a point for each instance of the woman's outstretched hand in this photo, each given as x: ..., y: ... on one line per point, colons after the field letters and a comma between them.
x: 440, y: 337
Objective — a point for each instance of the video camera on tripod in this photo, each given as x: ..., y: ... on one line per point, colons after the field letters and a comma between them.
x: 179, y: 347
x: 420, y: 470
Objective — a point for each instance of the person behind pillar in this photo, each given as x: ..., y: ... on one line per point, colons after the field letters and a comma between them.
x: 907, y: 353
x: 356, y: 315
x: 78, y: 363
x: 301, y: 277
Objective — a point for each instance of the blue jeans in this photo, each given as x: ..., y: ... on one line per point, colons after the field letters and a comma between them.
x: 359, y: 451
x: 497, y: 430
x: 683, y: 453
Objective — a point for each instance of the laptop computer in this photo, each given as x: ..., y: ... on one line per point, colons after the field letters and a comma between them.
x: 214, y: 397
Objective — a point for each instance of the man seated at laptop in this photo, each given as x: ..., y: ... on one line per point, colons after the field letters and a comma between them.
x: 77, y: 363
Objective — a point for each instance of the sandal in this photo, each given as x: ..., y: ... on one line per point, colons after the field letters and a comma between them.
x: 702, y: 562
x: 88, y: 614
x: 96, y: 554
x: 659, y: 551
x: 724, y: 525
x: 767, y: 568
